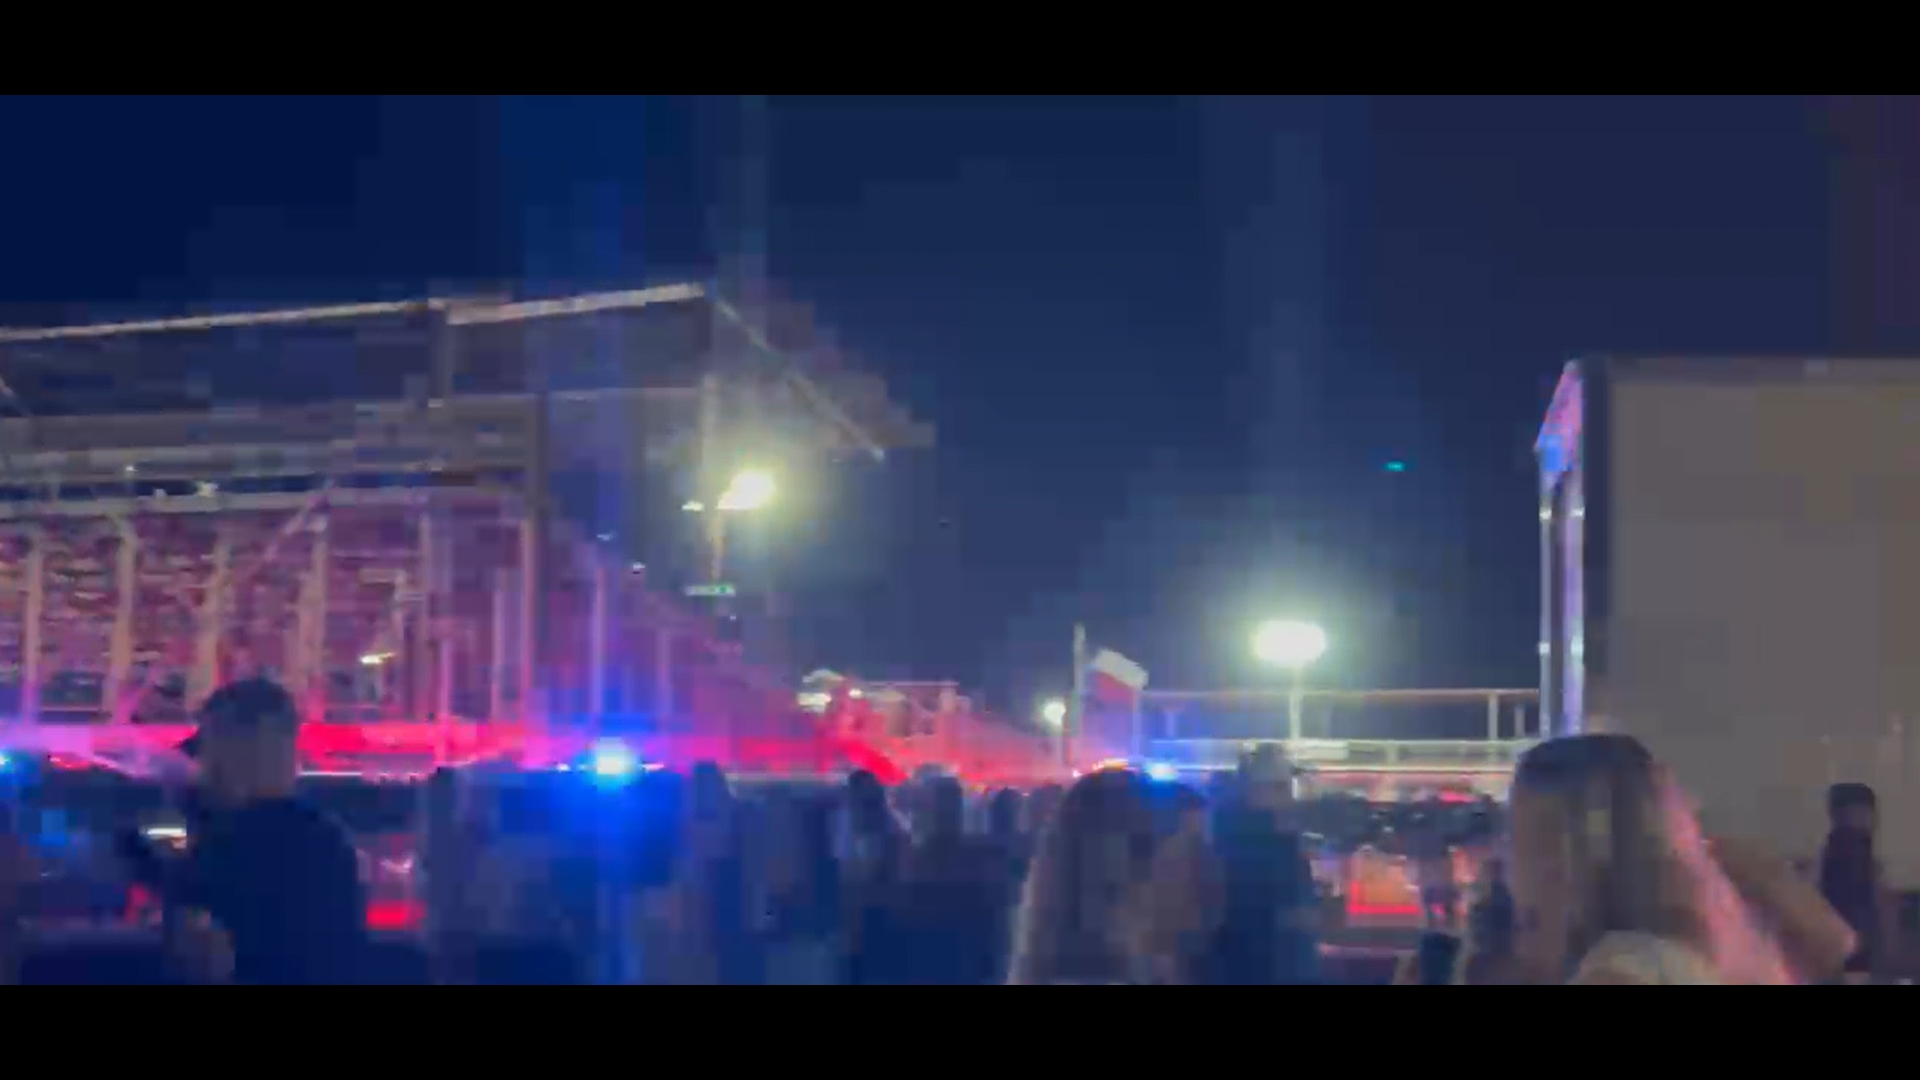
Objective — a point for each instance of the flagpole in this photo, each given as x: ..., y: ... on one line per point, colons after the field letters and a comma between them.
x: 1076, y: 701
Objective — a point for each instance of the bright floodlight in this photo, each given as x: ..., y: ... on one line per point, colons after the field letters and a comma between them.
x: 1054, y: 712
x: 1289, y: 644
x: 750, y: 489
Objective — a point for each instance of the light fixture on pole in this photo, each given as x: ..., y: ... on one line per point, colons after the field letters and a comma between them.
x: 1053, y: 713
x: 750, y: 490
x: 1294, y: 646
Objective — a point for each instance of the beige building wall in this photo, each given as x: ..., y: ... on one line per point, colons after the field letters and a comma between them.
x: 1764, y: 634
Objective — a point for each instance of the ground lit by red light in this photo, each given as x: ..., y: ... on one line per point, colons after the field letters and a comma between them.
x: 1357, y: 910
x: 391, y: 916
x: 414, y: 747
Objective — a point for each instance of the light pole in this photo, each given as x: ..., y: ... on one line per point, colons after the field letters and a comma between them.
x: 1053, y: 713
x: 1293, y: 645
x: 748, y: 491
x: 1053, y: 717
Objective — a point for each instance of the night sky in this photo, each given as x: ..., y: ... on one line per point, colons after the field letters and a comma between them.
x: 1172, y: 346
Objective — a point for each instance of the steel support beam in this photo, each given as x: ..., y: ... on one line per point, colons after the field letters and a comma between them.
x: 33, y: 619
x: 210, y: 626
x: 120, y: 647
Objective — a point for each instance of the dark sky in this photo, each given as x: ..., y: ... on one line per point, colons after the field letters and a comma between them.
x: 1169, y: 345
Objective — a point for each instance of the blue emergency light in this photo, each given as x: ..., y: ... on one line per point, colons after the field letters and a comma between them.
x: 613, y: 762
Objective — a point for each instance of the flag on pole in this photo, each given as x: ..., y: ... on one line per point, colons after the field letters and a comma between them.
x: 1113, y: 680
x: 1108, y: 720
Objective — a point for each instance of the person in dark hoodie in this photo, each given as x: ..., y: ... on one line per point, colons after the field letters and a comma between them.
x: 1850, y: 877
x: 269, y: 891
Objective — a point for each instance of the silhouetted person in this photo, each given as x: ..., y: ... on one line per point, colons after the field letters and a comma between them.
x: 801, y: 920
x: 1009, y: 838
x: 1433, y: 871
x: 1268, y: 933
x: 1090, y: 883
x: 269, y: 890
x: 1433, y: 961
x: 949, y: 911
x: 712, y: 875
x: 13, y: 878
x: 450, y: 853
x: 871, y: 850
x: 1850, y: 877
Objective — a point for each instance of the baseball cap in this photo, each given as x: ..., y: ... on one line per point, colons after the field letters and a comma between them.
x: 247, y: 704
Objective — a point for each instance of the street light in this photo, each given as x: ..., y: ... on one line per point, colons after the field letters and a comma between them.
x: 1294, y: 646
x: 750, y: 489
x: 1053, y: 713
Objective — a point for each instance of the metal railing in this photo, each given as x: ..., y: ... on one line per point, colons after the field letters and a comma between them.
x: 1368, y: 755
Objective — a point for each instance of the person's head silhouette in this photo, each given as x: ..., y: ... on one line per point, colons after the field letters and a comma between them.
x: 247, y: 744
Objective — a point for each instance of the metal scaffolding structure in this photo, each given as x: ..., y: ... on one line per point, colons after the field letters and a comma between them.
x: 392, y: 552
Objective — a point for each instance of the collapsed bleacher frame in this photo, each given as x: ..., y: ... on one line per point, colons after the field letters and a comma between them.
x: 469, y: 602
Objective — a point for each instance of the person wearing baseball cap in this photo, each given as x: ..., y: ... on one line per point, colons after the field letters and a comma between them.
x: 252, y: 719
x: 269, y: 890
x: 1268, y: 932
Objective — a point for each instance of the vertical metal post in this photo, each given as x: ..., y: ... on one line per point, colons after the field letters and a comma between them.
x: 443, y: 702
x: 1137, y: 724
x: 528, y: 617
x: 1296, y: 706
x: 213, y: 619
x: 1549, y: 686
x: 627, y: 649
x: 402, y: 688
x: 1076, y: 700
x: 440, y: 582
x: 443, y: 359
x: 945, y: 704
x: 30, y: 633
x: 597, y: 643
x: 663, y: 704
x: 422, y: 659
x: 120, y: 648
x: 713, y: 480
x: 434, y: 638
x: 315, y: 610
x: 497, y: 662
x: 299, y: 668
x: 533, y: 552
x: 1493, y: 717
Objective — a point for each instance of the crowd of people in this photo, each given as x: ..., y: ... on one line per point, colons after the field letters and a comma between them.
x: 1118, y: 878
